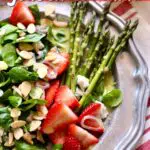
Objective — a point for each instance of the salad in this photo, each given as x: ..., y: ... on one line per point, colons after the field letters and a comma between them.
x: 56, y: 77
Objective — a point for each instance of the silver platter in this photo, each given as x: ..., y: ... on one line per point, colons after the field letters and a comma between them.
x: 126, y: 124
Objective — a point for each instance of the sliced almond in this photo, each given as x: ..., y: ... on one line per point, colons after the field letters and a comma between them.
x: 17, y: 90
x: 19, y: 39
x: 29, y: 62
x: 9, y: 141
x: 34, y: 125
x: 30, y: 117
x: 18, y: 124
x: 26, y: 55
x: 18, y: 133
x: 38, y: 46
x: 15, y: 113
x: 28, y: 138
x: 31, y: 28
x: 42, y: 109
x: 1, y: 132
x: 40, y: 137
x: 45, y: 22
x: 56, y: 61
x: 25, y: 88
x: 42, y: 72
x: 21, y: 26
x: 22, y: 34
x: 3, y: 66
x: 38, y: 116
x: 25, y: 47
x: 49, y: 9
x: 50, y: 57
x: 60, y: 23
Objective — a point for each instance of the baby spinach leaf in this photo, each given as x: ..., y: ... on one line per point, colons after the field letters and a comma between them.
x: 19, y: 74
x: 9, y: 54
x: 5, y: 118
x: 21, y: 145
x: 4, y: 97
x: 36, y: 12
x: 57, y: 147
x: 30, y: 38
x: 8, y: 28
x: 60, y: 35
x: 112, y: 98
x: 3, y: 23
x: 28, y: 104
x: 15, y: 101
x: 10, y: 37
x: 4, y: 79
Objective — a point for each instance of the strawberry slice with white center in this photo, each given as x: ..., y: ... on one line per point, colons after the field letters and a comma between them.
x: 71, y: 143
x: 84, y: 137
x: 58, y: 137
x: 59, y: 116
x: 57, y: 63
x: 51, y: 92
x: 90, y: 118
x: 66, y: 96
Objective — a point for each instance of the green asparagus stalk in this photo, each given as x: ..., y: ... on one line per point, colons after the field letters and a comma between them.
x: 124, y: 41
x: 73, y: 20
x: 76, y: 47
x: 114, y: 49
x: 86, y: 38
x: 90, y: 60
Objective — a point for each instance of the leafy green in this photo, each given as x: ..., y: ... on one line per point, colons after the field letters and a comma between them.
x: 19, y: 74
x: 4, y: 97
x: 15, y: 101
x: 3, y: 23
x: 28, y: 104
x: 10, y: 37
x: 9, y: 54
x: 21, y: 145
x: 30, y: 38
x: 58, y: 37
x: 8, y: 28
x: 4, y: 80
x: 5, y: 118
x: 112, y: 98
x: 108, y: 82
x: 57, y: 147
x: 36, y: 12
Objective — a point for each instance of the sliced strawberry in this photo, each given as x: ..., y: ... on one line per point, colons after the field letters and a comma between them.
x: 71, y: 143
x: 86, y: 139
x: 51, y: 92
x: 21, y: 13
x: 90, y: 118
x: 59, y: 115
x: 92, y: 109
x: 58, y: 137
x: 66, y: 96
x: 92, y: 123
x: 57, y: 65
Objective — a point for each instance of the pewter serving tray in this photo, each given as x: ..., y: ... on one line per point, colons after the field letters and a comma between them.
x: 125, y: 124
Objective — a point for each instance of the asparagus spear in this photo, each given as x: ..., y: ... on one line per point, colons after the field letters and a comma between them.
x: 86, y: 38
x: 74, y: 15
x: 123, y: 43
x: 90, y: 60
x: 105, y: 61
x: 100, y: 56
x: 76, y: 46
